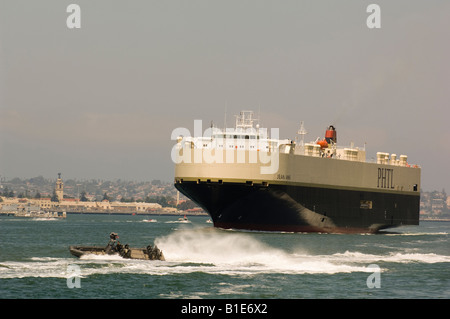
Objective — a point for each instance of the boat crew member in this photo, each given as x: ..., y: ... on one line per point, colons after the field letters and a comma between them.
x: 111, y: 247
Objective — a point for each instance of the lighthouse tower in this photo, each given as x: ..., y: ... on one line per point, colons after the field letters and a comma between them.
x: 59, y: 188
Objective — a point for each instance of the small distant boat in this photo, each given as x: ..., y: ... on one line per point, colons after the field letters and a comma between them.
x: 41, y: 214
x: 150, y: 220
x: 209, y: 221
x: 183, y: 219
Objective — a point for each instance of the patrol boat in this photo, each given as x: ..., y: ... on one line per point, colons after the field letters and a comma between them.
x: 114, y: 247
x: 247, y: 179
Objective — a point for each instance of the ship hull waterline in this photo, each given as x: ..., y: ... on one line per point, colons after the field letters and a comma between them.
x: 300, y: 208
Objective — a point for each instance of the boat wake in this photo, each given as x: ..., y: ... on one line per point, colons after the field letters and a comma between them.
x: 149, y: 221
x: 178, y: 222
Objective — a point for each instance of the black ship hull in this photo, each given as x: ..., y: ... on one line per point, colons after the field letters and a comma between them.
x: 299, y: 208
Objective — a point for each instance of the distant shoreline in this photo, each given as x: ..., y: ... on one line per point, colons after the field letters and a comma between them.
x: 179, y: 213
x: 142, y: 214
x: 435, y: 220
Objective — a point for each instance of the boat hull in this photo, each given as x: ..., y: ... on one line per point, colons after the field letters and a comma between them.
x: 134, y: 253
x: 300, y: 208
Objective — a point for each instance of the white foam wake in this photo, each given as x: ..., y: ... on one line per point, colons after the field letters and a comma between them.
x: 241, y: 253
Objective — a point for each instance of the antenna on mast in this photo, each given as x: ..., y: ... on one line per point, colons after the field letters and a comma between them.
x: 302, y: 132
x: 259, y: 113
x: 225, y: 117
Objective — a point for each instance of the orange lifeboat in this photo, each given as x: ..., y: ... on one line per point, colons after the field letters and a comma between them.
x: 323, y: 144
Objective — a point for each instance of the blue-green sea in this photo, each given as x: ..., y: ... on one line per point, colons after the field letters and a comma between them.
x: 209, y: 263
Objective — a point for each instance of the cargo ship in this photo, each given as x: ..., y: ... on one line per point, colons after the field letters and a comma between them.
x: 246, y: 178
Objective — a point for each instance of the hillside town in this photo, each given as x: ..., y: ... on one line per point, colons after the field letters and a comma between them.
x: 118, y: 196
x: 93, y: 196
x: 434, y: 205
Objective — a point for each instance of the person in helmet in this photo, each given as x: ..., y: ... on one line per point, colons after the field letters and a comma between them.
x: 111, y: 247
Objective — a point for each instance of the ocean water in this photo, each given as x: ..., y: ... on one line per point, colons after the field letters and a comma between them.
x: 208, y: 263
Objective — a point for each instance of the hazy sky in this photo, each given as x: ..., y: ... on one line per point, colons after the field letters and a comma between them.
x: 101, y: 101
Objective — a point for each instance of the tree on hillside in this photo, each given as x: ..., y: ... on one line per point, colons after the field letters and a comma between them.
x: 162, y: 200
x: 187, y: 205
x: 106, y: 197
x: 83, y: 197
x: 54, y: 197
x: 7, y: 192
